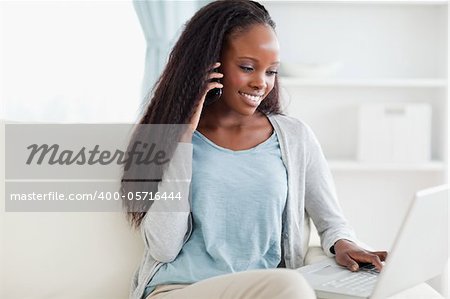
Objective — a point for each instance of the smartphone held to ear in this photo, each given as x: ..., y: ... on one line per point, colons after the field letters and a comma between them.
x: 215, y: 93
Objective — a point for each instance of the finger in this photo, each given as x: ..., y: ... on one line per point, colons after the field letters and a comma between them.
x: 377, y: 262
x: 209, y: 86
x: 214, y: 66
x: 351, y: 264
x: 214, y: 75
x: 381, y: 254
x: 213, y: 85
x: 367, y: 257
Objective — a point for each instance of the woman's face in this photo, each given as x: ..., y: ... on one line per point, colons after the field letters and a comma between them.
x: 249, y: 63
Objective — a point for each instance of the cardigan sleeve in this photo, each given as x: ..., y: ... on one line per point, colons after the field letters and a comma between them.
x: 166, y: 224
x: 321, y: 202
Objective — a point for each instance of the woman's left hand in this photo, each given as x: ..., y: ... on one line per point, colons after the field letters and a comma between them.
x: 348, y: 254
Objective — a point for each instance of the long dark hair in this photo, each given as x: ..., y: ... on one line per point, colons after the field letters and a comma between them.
x: 178, y: 90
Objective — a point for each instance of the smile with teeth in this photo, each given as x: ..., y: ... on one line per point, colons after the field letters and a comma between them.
x: 251, y: 97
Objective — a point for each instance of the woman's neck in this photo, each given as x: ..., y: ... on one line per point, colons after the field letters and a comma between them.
x: 218, y: 118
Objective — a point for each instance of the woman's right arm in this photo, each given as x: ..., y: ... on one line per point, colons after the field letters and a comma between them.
x: 165, y: 226
x: 166, y: 222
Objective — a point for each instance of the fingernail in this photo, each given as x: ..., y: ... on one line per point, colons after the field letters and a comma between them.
x: 354, y: 268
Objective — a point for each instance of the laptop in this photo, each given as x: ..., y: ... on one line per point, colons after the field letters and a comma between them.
x: 420, y: 252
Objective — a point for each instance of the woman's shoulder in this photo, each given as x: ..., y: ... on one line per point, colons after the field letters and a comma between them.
x: 295, y: 132
x: 290, y: 124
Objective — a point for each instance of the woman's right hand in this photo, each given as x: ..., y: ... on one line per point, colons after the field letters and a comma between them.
x: 193, y: 122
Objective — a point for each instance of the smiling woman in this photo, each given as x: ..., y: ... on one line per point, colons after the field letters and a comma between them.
x: 250, y: 61
x: 253, y: 175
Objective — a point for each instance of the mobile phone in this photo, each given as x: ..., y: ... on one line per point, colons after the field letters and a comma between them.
x: 215, y: 93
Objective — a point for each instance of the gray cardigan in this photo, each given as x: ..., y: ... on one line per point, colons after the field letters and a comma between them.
x: 311, y: 194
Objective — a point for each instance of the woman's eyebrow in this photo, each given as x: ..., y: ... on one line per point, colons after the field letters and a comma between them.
x: 254, y: 59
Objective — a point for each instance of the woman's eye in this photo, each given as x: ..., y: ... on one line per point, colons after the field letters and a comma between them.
x: 249, y: 69
x: 246, y: 68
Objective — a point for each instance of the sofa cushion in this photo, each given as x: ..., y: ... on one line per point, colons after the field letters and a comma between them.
x: 65, y: 255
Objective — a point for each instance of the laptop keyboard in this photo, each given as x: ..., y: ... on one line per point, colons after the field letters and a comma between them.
x: 362, y: 281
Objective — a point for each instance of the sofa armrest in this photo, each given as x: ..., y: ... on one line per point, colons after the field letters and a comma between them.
x: 314, y: 255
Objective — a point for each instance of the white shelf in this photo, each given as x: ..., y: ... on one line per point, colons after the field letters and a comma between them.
x: 349, y: 165
x: 419, y: 82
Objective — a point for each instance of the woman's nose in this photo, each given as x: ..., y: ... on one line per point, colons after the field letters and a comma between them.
x: 258, y: 81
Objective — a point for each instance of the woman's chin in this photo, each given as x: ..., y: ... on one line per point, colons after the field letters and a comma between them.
x: 237, y: 107
x: 246, y: 111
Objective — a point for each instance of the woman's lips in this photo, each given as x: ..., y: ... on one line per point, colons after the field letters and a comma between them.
x: 251, y: 100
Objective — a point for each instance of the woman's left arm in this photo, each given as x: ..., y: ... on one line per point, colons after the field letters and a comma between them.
x: 337, y: 237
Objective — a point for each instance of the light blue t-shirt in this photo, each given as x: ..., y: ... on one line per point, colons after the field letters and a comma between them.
x: 237, y: 201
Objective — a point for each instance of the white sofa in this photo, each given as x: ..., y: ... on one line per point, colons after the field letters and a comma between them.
x: 82, y: 255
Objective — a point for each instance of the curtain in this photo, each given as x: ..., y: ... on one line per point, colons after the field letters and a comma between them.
x: 162, y: 22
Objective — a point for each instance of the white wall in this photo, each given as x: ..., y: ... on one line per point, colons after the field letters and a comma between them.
x: 70, y: 61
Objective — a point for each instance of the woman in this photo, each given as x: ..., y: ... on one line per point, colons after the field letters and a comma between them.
x: 254, y: 176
